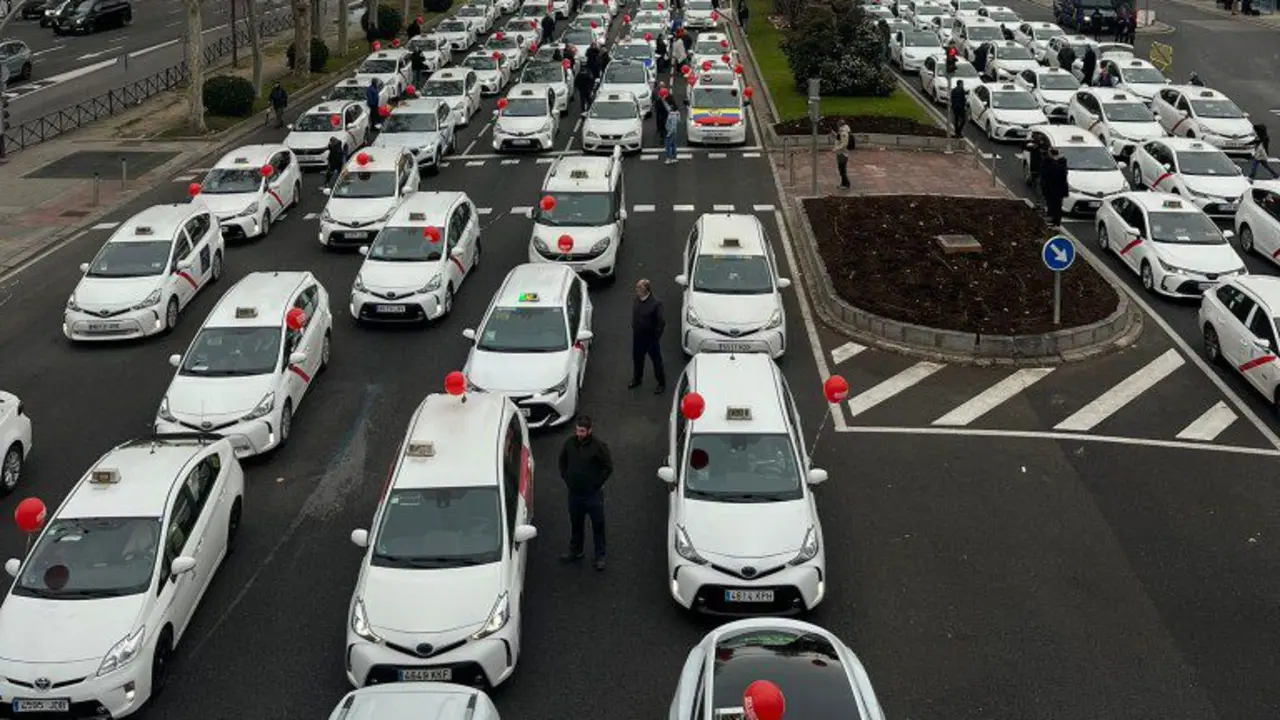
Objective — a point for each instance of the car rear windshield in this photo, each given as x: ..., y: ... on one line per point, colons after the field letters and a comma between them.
x: 233, y: 352
x: 920, y: 38
x: 1127, y: 112
x: 481, y: 62
x: 985, y: 33
x: 86, y: 558
x: 1058, y: 81
x: 732, y: 275
x: 443, y: 88
x: 581, y: 38
x: 633, y: 51
x: 613, y: 110
x: 525, y: 330
x: 366, y: 184
x: 715, y: 97
x: 231, y: 181
x: 1088, y: 158
x: 341, y: 92
x: 1207, y: 163
x: 424, y: 43
x: 625, y: 73
x: 742, y: 467
x: 131, y: 259
x: 405, y: 244
x: 1143, y: 76
x: 1013, y: 100
x: 401, y: 122
x: 453, y: 26
x: 322, y: 122
x: 817, y: 679
x: 1218, y: 109
x: 543, y: 72
x: 1185, y: 228
x: 435, y: 528
x: 378, y: 67
x: 1003, y: 16
x: 1014, y: 52
x: 526, y: 107
x: 503, y: 43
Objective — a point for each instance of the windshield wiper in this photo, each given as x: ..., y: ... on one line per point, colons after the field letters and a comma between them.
x: 71, y: 594
x: 443, y: 561
x: 747, y: 497
x: 699, y: 494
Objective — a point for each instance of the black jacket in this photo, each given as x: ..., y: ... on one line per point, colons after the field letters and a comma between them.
x: 959, y: 102
x: 279, y: 98
x: 548, y: 26
x: 413, y: 30
x: 1053, y: 177
x: 337, y: 158
x: 585, y: 466
x: 418, y: 62
x: 646, y: 319
x: 593, y: 59
x: 1088, y: 64
x: 584, y: 82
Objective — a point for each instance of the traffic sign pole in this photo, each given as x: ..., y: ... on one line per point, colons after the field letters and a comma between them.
x: 1057, y: 298
x: 1058, y: 254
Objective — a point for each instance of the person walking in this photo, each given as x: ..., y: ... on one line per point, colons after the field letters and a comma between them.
x: 1066, y: 58
x: 334, y: 161
x: 548, y: 28
x: 1053, y: 185
x: 279, y: 101
x: 1122, y: 24
x: 844, y: 143
x: 585, y: 466
x: 1131, y: 27
x: 670, y: 136
x: 744, y: 16
x: 679, y: 55
x: 605, y: 59
x: 373, y: 98
x: 419, y: 65
x: 593, y: 59
x: 1037, y: 151
x: 585, y: 84
x: 1261, y: 156
x: 959, y: 108
x: 660, y: 112
x: 660, y: 54
x: 414, y: 29
x: 647, y: 325
x: 1088, y: 65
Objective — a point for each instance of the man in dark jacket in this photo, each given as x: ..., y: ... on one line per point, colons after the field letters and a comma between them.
x: 373, y: 98
x: 414, y: 29
x: 585, y: 84
x: 660, y: 52
x: 419, y: 65
x: 585, y: 466
x: 660, y: 111
x: 1087, y: 66
x: 334, y: 162
x: 1053, y: 185
x: 959, y: 108
x: 593, y: 59
x: 548, y: 28
x: 1066, y: 57
x: 647, y: 325
x: 279, y: 101
x: 1095, y: 24
x: 744, y: 16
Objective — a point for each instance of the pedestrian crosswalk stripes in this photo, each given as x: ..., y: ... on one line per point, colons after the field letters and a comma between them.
x: 992, y: 397
x: 1125, y: 392
x: 1211, y: 424
x: 894, y: 385
x: 846, y: 351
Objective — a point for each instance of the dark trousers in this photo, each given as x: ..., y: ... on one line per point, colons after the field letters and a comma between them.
x: 957, y: 123
x: 584, y: 96
x: 640, y: 347
x: 842, y: 164
x: 331, y: 174
x: 1053, y: 204
x: 1255, y: 163
x: 278, y: 111
x: 580, y: 508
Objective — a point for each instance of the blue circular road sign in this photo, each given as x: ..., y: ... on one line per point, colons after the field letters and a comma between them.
x: 1058, y: 253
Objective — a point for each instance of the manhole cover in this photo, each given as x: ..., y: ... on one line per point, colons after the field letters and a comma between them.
x: 83, y: 164
x: 74, y: 213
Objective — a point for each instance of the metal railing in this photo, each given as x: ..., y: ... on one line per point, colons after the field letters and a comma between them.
x: 59, y: 122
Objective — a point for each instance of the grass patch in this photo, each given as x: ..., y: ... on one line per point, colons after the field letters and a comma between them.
x: 766, y: 41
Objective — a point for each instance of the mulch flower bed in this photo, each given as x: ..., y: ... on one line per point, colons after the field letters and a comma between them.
x: 883, y: 257
x: 882, y: 124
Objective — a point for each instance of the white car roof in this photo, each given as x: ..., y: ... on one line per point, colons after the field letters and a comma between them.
x: 528, y: 90
x: 390, y: 54
x: 1002, y: 86
x: 617, y: 96
x: 249, y: 156
x: 397, y: 701
x: 158, y: 222
x: 1111, y: 95
x: 535, y: 284
x: 1266, y: 287
x: 331, y: 107
x: 260, y: 299
x: 1197, y: 92
x: 1044, y: 70
x: 1064, y: 135
x: 1186, y: 144
x: 581, y: 173
x: 452, y: 442
x: 744, y: 386
x: 730, y: 234
x: 1132, y: 63
x: 450, y: 74
x: 136, y: 478
x: 1158, y: 201
x: 380, y: 159
x: 1043, y: 25
x: 425, y: 208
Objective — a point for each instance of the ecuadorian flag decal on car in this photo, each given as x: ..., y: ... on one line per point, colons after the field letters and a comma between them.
x: 710, y: 116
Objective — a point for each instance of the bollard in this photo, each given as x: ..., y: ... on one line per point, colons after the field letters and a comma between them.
x: 124, y: 173
x: 791, y: 165
x: 97, y: 181
x: 993, y: 169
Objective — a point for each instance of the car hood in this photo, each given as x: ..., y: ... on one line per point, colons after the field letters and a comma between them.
x: 746, y: 311
x: 1230, y: 127
x: 1138, y: 130
x: 411, y: 140
x: 516, y: 373
x: 612, y: 127
x: 310, y: 140
x: 99, y: 292
x: 1021, y: 117
x: 1056, y: 97
x: 1097, y: 181
x: 1016, y: 66
x: 920, y: 53
x: 359, y: 209
x: 1231, y: 186
x: 1146, y: 91
x: 224, y: 204
x: 430, y: 601
x: 37, y: 630
x: 640, y: 90
x: 217, y: 399
x: 556, y: 87
x: 1203, y: 258
x: 383, y: 78
x: 452, y: 35
x: 583, y: 236
x: 510, y: 124
x: 778, y: 528
x: 407, y: 276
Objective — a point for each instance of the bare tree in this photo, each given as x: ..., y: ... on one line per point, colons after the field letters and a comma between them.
x: 255, y: 43
x: 405, y: 13
x: 195, y: 65
x: 344, y: 11
x: 14, y: 9
x: 302, y: 39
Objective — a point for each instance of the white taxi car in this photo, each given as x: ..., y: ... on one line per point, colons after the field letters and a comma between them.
x: 148, y: 271
x: 1192, y: 168
x: 1257, y: 220
x: 1204, y: 114
x: 458, y: 33
x: 439, y: 595
x: 1035, y: 37
x: 636, y: 50
x: 413, y: 701
x: 512, y: 46
x: 111, y: 585
x: 363, y: 198
x: 1135, y: 76
x: 701, y: 15
x: 533, y: 343
x: 1238, y: 320
x: 922, y: 15
x: 434, y: 50
x: 549, y: 75
x: 1052, y: 88
x: 972, y: 32
x: 615, y: 120
x: 709, y: 47
x: 15, y: 439
x: 739, y: 466
x: 255, y: 358
x: 1000, y: 14
x: 717, y: 115
x: 732, y: 289
x: 391, y: 68
x: 1079, y: 45
x: 419, y: 260
x: 1006, y: 59
x: 909, y: 49
x: 309, y: 135
x: 628, y: 76
x: 598, y: 30
x: 817, y: 668
x: 492, y: 69
x: 250, y: 187
x: 1171, y: 244
x: 459, y: 87
x: 584, y: 229
x: 1092, y: 174
x: 959, y: 7
x: 600, y: 7
x: 352, y: 90
x: 1121, y: 120
x: 526, y: 120
x: 1004, y: 111
x: 424, y: 127
x: 937, y: 85
x: 478, y: 17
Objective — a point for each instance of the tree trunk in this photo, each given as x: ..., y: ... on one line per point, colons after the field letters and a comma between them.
x: 407, y: 13
x: 255, y: 42
x: 371, y: 11
x: 301, y: 39
x: 344, y: 22
x: 195, y: 66
x: 317, y: 21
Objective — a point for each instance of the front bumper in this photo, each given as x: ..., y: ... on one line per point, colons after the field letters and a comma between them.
x: 248, y: 437
x: 241, y: 227
x: 1122, y: 148
x: 1077, y: 203
x: 602, y: 265
x: 78, y: 688
x: 707, y: 588
x: 82, y: 326
x: 1236, y: 147
x: 606, y: 143
x: 411, y: 307
x: 539, y: 141
x: 717, y: 134
x: 1009, y: 132
x: 490, y: 87
x: 312, y: 157
x: 701, y: 339
x: 479, y: 663
x: 699, y: 22
x: 544, y: 411
x: 1185, y: 285
x: 334, y: 234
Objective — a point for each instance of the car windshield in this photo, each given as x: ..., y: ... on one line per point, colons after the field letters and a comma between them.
x: 435, y: 528
x: 633, y: 51
x: 231, y: 181
x: 742, y: 467
x: 528, y: 329
x: 595, y: 9
x: 532, y: 11
x: 579, y: 209
x: 525, y: 107
x: 543, y: 72
x: 1058, y: 81
x: 1222, y: 109
x: 963, y: 70
x: 732, y: 275
x: 1184, y: 228
x: 1013, y: 101
x: 607, y: 110
x: 698, y: 5
x: 233, y: 351
x: 453, y: 26
x: 320, y: 122
x: 715, y: 97
x: 443, y: 88
x: 929, y: 11
x: 625, y: 73
x: 341, y: 92
x: 131, y: 259
x: 1047, y: 32
x: 402, y: 122
x: 86, y: 558
x: 1207, y: 163
x: 469, y: 11
x: 366, y: 184
x: 1088, y: 158
x: 423, y: 43
x: 480, y: 62
x: 920, y: 38
x: 1127, y: 112
x: 1143, y: 76
x: 405, y: 244
x: 378, y: 67
x: 505, y: 43
x: 1014, y: 52
x: 578, y: 37
x: 1003, y: 16
x: 985, y: 33
x: 972, y: 5
x: 708, y: 47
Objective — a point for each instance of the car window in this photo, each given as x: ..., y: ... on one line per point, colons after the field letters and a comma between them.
x: 81, y: 558
x: 1262, y: 326
x: 1269, y: 201
x: 573, y: 308
x: 1238, y: 304
x: 197, y: 227
x: 440, y: 527
x: 182, y: 523
x: 182, y: 248
x: 201, y: 479
x: 353, y: 113
x: 512, y: 452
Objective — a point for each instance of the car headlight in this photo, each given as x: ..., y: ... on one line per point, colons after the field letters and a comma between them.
x: 540, y: 245
x: 360, y: 623
x: 432, y: 285
x: 546, y: 128
x: 1195, y: 194
x: 1174, y: 268
x: 775, y: 319
x: 685, y: 549
x: 808, y: 548
x: 264, y: 407
x: 633, y: 134
x: 251, y: 210
x: 150, y: 300
x: 358, y: 285
x: 123, y: 652
x: 498, y: 618
x: 325, y: 217
x: 592, y: 135
x: 557, y: 389
x: 601, y: 246
x: 72, y: 304
x: 163, y: 412
x: 692, y: 318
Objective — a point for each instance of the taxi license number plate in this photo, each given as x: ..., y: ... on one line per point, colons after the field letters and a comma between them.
x: 735, y: 596
x: 1206, y: 285
x: 103, y: 326
x: 22, y: 705
x: 522, y: 143
x: 1229, y: 207
x: 735, y: 347
x: 357, y: 235
x: 427, y: 675
x: 392, y: 309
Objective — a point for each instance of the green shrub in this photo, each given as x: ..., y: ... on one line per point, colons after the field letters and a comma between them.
x: 319, y: 55
x: 835, y: 42
x: 390, y: 23
x: 438, y: 6
x: 228, y: 96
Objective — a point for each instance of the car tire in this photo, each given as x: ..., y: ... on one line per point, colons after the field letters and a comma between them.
x: 297, y: 195
x: 233, y: 526
x: 448, y: 302
x: 25, y: 73
x: 11, y: 469
x: 1246, y: 240
x: 1148, y: 277
x: 286, y: 423
x: 171, y: 315
x: 326, y: 350
x: 160, y: 662
x: 265, y: 222
x: 1104, y: 240
x: 215, y: 273
x: 990, y: 135
x: 1212, y: 345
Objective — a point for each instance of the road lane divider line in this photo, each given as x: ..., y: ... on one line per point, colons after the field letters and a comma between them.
x: 993, y: 397
x: 484, y: 211
x: 763, y: 208
x: 55, y: 48
x: 1211, y: 424
x: 184, y: 178
x: 505, y: 162
x: 521, y: 209
x: 545, y: 161
x: 904, y: 380
x: 1123, y: 393
x: 722, y: 208
x: 311, y: 216
x: 717, y: 156
x: 105, y: 226
x: 153, y: 48
x: 847, y: 351
x: 475, y: 163
x: 643, y: 208
x: 682, y: 208
x: 649, y: 157
x: 750, y: 154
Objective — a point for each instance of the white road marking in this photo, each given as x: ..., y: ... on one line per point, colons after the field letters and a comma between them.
x: 1209, y: 425
x: 717, y: 156
x: 475, y: 163
x: 467, y: 149
x: 722, y: 208
x: 78, y: 72
x: 846, y: 352
x: 906, y: 379
x: 506, y: 162
x: 311, y: 216
x: 545, y: 160
x: 445, y: 164
x: 682, y: 208
x: 184, y: 178
x: 175, y: 23
x: 1058, y: 436
x: 644, y: 208
x: 1125, y: 392
x: 762, y: 208
x: 521, y: 210
x: 216, y: 28
x: 684, y: 156
x: 100, y: 53
x: 153, y: 48
x: 994, y: 396
x: 649, y: 157
x: 38, y: 53
x: 484, y: 211
x: 751, y: 155
x: 105, y: 226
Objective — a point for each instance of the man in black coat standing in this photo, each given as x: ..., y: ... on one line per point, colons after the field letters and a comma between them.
x: 660, y: 111
x: 959, y: 108
x: 1053, y: 185
x: 1088, y: 66
x: 548, y: 28
x: 585, y: 466
x: 647, y: 325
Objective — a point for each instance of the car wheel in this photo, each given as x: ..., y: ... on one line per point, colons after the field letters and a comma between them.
x: 1148, y: 277
x: 297, y: 195
x: 286, y: 422
x: 1104, y: 240
x: 1137, y: 178
x: 326, y: 349
x: 233, y: 526
x: 171, y: 315
x: 475, y: 259
x: 160, y: 662
x: 25, y: 73
x: 215, y: 273
x: 448, y: 302
x: 1212, y: 346
x: 265, y: 223
x: 1246, y: 239
x: 11, y: 470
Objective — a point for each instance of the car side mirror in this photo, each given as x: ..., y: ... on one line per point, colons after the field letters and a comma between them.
x: 585, y: 336
x: 682, y: 280
x: 184, y: 264
x: 1262, y: 343
x: 181, y: 565
x: 784, y: 283
x: 469, y: 334
x: 324, y: 191
x: 1228, y: 234
x: 456, y: 252
x: 524, y: 533
x: 817, y: 476
x: 667, y: 475
x: 364, y: 250
x: 175, y: 360
x: 84, y: 267
x: 1120, y: 165
x: 495, y: 113
x: 297, y: 358
x: 531, y: 213
x: 289, y: 126
x: 12, y: 566
x: 1167, y: 167
x: 622, y: 214
x: 360, y: 538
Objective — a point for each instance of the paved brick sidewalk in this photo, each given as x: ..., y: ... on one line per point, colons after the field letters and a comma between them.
x: 888, y: 172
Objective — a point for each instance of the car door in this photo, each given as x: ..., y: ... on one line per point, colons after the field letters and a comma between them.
x: 1183, y: 124
x: 1092, y: 115
x: 209, y: 533
x: 1164, y: 176
x: 444, y: 121
x: 690, y: 254
x: 184, y: 283
x: 283, y: 183
x: 1163, y: 107
x: 177, y: 594
x: 978, y: 100
x: 1149, y: 168
x: 1263, y: 218
x: 473, y: 91
x: 574, y: 316
x: 517, y: 490
x: 307, y: 341
x: 1132, y: 250
x: 357, y: 118
x: 1232, y: 325
x: 197, y: 229
x: 455, y: 267
x: 1258, y: 351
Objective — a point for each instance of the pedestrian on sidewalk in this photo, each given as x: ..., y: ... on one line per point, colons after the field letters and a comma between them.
x: 671, y: 133
x: 585, y: 466
x: 1131, y: 27
x: 585, y: 84
x: 744, y: 16
x: 647, y: 325
x: 1122, y: 24
x: 1037, y: 151
x: 1053, y: 185
x: 336, y: 158
x: 660, y: 112
x: 844, y: 143
x: 1261, y: 152
x: 959, y: 108
x: 279, y: 102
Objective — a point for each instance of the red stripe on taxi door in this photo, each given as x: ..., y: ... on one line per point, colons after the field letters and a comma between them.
x: 1160, y: 179
x: 1136, y: 242
x: 458, y: 264
x: 1256, y: 362
x: 1178, y: 124
x: 188, y: 278
x: 526, y: 478
x: 300, y: 373
x: 276, y: 197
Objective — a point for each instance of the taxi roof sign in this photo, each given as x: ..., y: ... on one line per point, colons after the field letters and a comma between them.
x: 1206, y: 93
x: 421, y: 449
x: 1172, y: 204
x: 527, y: 297
x: 730, y: 242
x: 737, y: 412
x: 246, y: 313
x: 241, y: 161
x: 579, y: 174
x: 1077, y: 138
x: 1119, y: 96
x: 1007, y: 86
x: 1197, y: 146
x: 418, y: 216
x: 144, y: 230
x: 104, y: 476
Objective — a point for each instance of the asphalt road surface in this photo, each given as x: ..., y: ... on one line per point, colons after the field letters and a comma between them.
x: 1112, y: 572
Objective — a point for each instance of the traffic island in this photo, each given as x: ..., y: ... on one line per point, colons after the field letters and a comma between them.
x: 958, y: 279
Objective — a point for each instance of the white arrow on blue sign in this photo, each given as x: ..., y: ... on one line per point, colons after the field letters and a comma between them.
x: 1058, y: 253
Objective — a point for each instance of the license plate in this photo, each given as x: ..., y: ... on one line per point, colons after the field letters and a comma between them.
x: 392, y: 309
x: 103, y: 326
x: 735, y: 347
x: 522, y: 143
x: 357, y: 235
x: 427, y: 675
x: 42, y: 705
x: 1093, y: 204
x: 748, y: 596
x: 1229, y: 207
